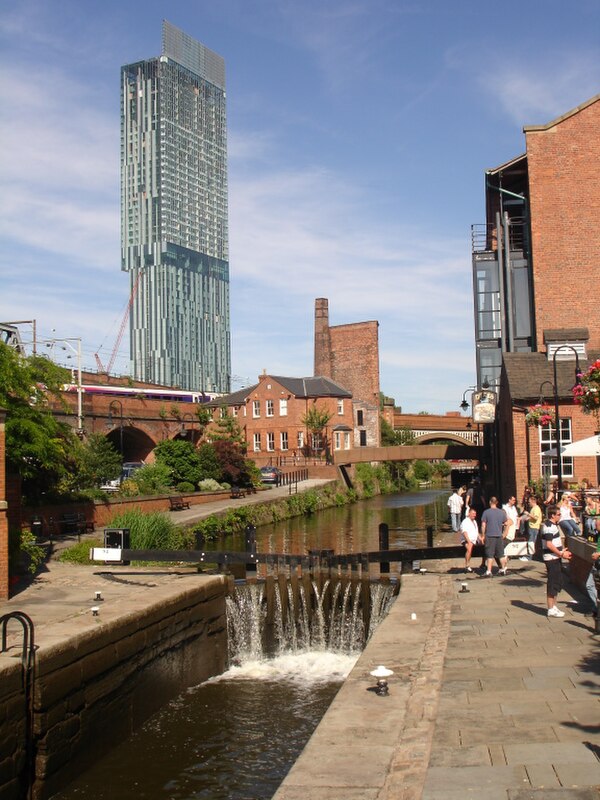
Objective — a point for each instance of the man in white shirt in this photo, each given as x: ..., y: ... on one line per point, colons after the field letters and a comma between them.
x: 470, y: 535
x: 510, y: 508
x: 455, y: 504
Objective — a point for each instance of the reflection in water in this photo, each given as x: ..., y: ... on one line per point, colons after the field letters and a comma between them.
x: 236, y: 736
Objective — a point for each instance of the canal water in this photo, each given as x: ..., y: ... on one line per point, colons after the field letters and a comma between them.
x: 236, y: 736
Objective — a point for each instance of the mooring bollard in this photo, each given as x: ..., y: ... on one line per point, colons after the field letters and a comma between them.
x: 251, y: 549
x: 430, y: 536
x: 384, y: 544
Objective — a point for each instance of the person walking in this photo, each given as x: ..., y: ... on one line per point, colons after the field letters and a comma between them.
x: 493, y: 523
x: 552, y: 553
x: 590, y: 584
x: 510, y: 530
x: 470, y: 536
x: 455, y: 504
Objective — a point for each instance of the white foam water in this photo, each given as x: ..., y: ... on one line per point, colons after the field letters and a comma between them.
x: 299, y: 668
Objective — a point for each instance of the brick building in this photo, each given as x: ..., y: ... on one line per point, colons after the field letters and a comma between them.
x: 536, y: 272
x: 349, y: 355
x: 270, y: 414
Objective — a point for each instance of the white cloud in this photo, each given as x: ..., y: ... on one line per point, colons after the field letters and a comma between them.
x: 533, y: 93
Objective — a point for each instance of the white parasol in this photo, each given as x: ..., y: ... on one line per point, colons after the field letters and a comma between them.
x: 584, y: 447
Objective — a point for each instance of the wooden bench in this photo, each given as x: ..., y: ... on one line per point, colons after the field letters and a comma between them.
x: 69, y: 523
x: 178, y: 503
x: 236, y: 492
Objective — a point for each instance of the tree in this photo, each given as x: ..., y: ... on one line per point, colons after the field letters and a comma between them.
x: 39, y: 448
x: 182, y: 459
x: 227, y: 428
x: 234, y: 467
x: 395, y: 436
x: 98, y: 462
x: 422, y: 470
x: 316, y: 420
x: 210, y: 465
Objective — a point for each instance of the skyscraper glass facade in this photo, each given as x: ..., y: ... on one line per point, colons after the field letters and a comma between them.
x: 174, y: 225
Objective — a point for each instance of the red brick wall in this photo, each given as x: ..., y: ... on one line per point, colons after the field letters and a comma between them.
x: 564, y: 185
x: 3, y: 514
x: 582, y: 427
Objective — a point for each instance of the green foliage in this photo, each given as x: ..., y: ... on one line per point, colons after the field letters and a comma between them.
x: 442, y: 469
x: 98, y: 462
x: 185, y: 486
x: 153, y: 531
x: 316, y: 419
x: 38, y: 447
x: 395, y: 436
x: 80, y: 553
x: 366, y: 477
x: 22, y: 546
x: 150, y: 479
x: 227, y: 428
x: 182, y: 459
x: 210, y: 467
x: 422, y: 470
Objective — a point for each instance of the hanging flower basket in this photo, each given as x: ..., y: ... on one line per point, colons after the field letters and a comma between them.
x: 587, y: 392
x: 539, y: 415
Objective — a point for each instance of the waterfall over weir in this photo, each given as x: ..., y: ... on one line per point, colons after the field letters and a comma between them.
x: 282, y: 616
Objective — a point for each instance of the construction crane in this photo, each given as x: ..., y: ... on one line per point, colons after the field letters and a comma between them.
x: 113, y: 355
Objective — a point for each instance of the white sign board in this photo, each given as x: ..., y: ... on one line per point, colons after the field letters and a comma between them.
x: 484, y: 406
x: 105, y: 554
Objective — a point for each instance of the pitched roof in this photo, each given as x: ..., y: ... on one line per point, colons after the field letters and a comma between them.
x: 318, y: 386
x: 300, y: 387
x: 526, y: 372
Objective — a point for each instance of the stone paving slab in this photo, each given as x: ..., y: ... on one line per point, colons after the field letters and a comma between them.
x: 513, y: 713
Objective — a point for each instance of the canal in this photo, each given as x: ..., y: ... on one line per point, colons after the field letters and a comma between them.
x: 236, y: 736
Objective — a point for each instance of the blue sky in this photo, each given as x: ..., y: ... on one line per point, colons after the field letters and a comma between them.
x: 359, y: 133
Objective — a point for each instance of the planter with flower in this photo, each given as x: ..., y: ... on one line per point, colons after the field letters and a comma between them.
x: 587, y: 392
x: 539, y: 415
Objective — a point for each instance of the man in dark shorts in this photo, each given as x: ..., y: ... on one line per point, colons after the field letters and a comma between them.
x: 553, y: 553
x: 493, y: 521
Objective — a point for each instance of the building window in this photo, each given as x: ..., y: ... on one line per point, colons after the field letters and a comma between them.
x: 222, y: 412
x: 284, y: 440
x: 270, y: 441
x: 363, y: 438
x: 256, y: 409
x: 548, y: 441
x: 347, y: 441
x: 236, y: 411
x: 340, y: 407
x: 270, y: 408
x: 359, y: 418
x: 283, y: 408
x: 315, y: 441
x: 300, y: 440
x: 337, y: 440
x: 257, y: 442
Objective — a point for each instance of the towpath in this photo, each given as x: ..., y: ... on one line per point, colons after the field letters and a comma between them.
x: 489, y: 699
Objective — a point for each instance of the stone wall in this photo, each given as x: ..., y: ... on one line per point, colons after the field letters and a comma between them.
x: 94, y: 688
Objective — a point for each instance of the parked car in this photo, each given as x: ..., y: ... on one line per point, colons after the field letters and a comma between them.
x: 270, y: 474
x: 128, y: 469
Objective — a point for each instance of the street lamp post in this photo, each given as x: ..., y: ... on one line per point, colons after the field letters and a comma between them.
x: 110, y: 419
x: 67, y: 342
x: 556, y: 411
x: 183, y: 429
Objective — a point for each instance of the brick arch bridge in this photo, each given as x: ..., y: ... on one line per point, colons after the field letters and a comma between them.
x: 136, y: 423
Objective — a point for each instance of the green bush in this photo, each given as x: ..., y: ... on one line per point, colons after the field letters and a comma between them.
x: 152, y: 479
x: 186, y: 487
x: 22, y: 545
x: 80, y: 553
x: 154, y: 531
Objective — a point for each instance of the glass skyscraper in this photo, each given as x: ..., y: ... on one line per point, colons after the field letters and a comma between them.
x: 174, y: 228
